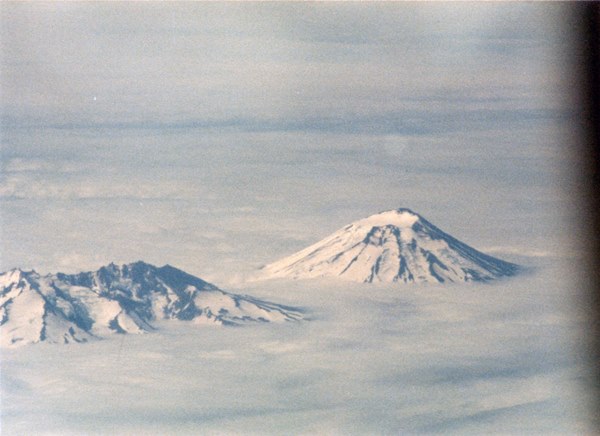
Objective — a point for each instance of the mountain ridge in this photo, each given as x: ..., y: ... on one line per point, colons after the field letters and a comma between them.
x: 129, y: 298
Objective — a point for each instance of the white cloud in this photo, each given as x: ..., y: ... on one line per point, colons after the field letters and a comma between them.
x: 497, y: 358
x: 23, y: 187
x: 19, y: 165
x: 204, y: 63
x: 33, y: 165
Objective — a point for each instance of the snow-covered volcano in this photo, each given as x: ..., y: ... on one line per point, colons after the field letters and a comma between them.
x: 117, y: 299
x: 393, y: 246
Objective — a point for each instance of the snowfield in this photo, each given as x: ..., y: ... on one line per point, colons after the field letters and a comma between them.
x: 374, y: 359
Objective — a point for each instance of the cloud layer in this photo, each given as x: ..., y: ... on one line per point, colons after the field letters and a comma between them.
x: 502, y: 358
x: 221, y: 136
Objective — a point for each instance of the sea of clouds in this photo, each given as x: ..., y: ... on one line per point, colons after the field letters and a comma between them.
x: 218, y: 137
x: 500, y: 358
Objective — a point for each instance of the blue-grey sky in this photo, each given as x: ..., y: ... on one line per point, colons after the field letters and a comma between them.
x: 221, y: 136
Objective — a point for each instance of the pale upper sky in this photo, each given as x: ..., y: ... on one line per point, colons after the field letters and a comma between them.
x: 220, y: 136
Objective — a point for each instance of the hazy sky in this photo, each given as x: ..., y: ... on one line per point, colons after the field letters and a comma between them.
x: 220, y: 136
